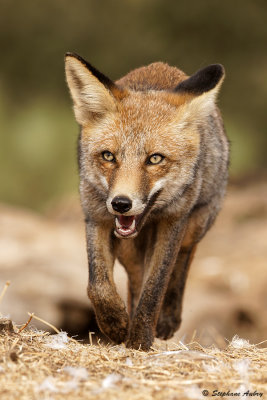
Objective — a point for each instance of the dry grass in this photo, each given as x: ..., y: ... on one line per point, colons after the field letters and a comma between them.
x: 37, y: 365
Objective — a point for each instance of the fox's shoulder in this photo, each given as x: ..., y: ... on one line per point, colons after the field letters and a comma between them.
x: 155, y: 76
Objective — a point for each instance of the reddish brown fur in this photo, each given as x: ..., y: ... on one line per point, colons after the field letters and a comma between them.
x: 157, y: 76
x: 174, y: 202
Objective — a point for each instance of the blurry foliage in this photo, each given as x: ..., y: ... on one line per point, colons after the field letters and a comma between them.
x: 37, y: 152
x: 37, y: 128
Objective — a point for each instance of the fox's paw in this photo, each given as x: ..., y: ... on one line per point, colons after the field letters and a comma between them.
x: 114, y: 325
x: 167, y: 326
x: 141, y: 337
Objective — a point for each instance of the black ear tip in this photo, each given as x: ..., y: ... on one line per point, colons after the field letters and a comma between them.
x: 74, y: 55
x: 203, y: 80
x: 216, y: 71
x: 220, y: 67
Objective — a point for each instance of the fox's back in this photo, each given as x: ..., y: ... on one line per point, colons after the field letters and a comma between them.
x: 156, y: 76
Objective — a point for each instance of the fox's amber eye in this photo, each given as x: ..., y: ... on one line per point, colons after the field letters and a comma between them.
x: 155, y: 159
x: 108, y: 156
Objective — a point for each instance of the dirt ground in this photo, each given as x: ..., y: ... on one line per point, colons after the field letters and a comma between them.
x: 37, y: 366
x: 44, y: 257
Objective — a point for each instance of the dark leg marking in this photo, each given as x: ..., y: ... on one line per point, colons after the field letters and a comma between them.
x: 170, y: 314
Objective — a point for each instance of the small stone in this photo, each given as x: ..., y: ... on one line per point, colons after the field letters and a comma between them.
x: 13, y: 356
x: 6, y: 326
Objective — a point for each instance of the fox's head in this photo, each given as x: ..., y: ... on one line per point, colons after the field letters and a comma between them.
x: 139, y: 149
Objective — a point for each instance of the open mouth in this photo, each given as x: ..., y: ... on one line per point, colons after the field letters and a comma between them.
x: 126, y: 225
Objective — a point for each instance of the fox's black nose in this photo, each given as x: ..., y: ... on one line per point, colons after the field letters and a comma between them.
x: 121, y: 204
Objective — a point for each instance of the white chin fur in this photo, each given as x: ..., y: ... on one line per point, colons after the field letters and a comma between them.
x: 120, y: 236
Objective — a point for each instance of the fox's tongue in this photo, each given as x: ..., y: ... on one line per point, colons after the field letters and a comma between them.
x: 125, y: 226
x: 126, y: 222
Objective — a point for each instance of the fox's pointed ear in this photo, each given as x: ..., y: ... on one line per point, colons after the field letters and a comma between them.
x: 202, y: 81
x: 92, y: 92
x: 200, y: 90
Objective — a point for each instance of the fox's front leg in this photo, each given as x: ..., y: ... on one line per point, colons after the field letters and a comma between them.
x: 170, y: 313
x: 109, y: 308
x: 168, y: 240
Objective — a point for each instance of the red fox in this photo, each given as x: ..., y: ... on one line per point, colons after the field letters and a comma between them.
x: 153, y: 162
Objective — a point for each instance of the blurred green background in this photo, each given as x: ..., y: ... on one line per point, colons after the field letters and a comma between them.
x: 38, y: 133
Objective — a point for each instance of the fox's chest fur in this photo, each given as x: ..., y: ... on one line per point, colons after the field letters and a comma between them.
x: 153, y: 160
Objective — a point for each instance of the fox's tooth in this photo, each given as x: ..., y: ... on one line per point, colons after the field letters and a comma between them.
x: 132, y: 225
x: 117, y: 222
